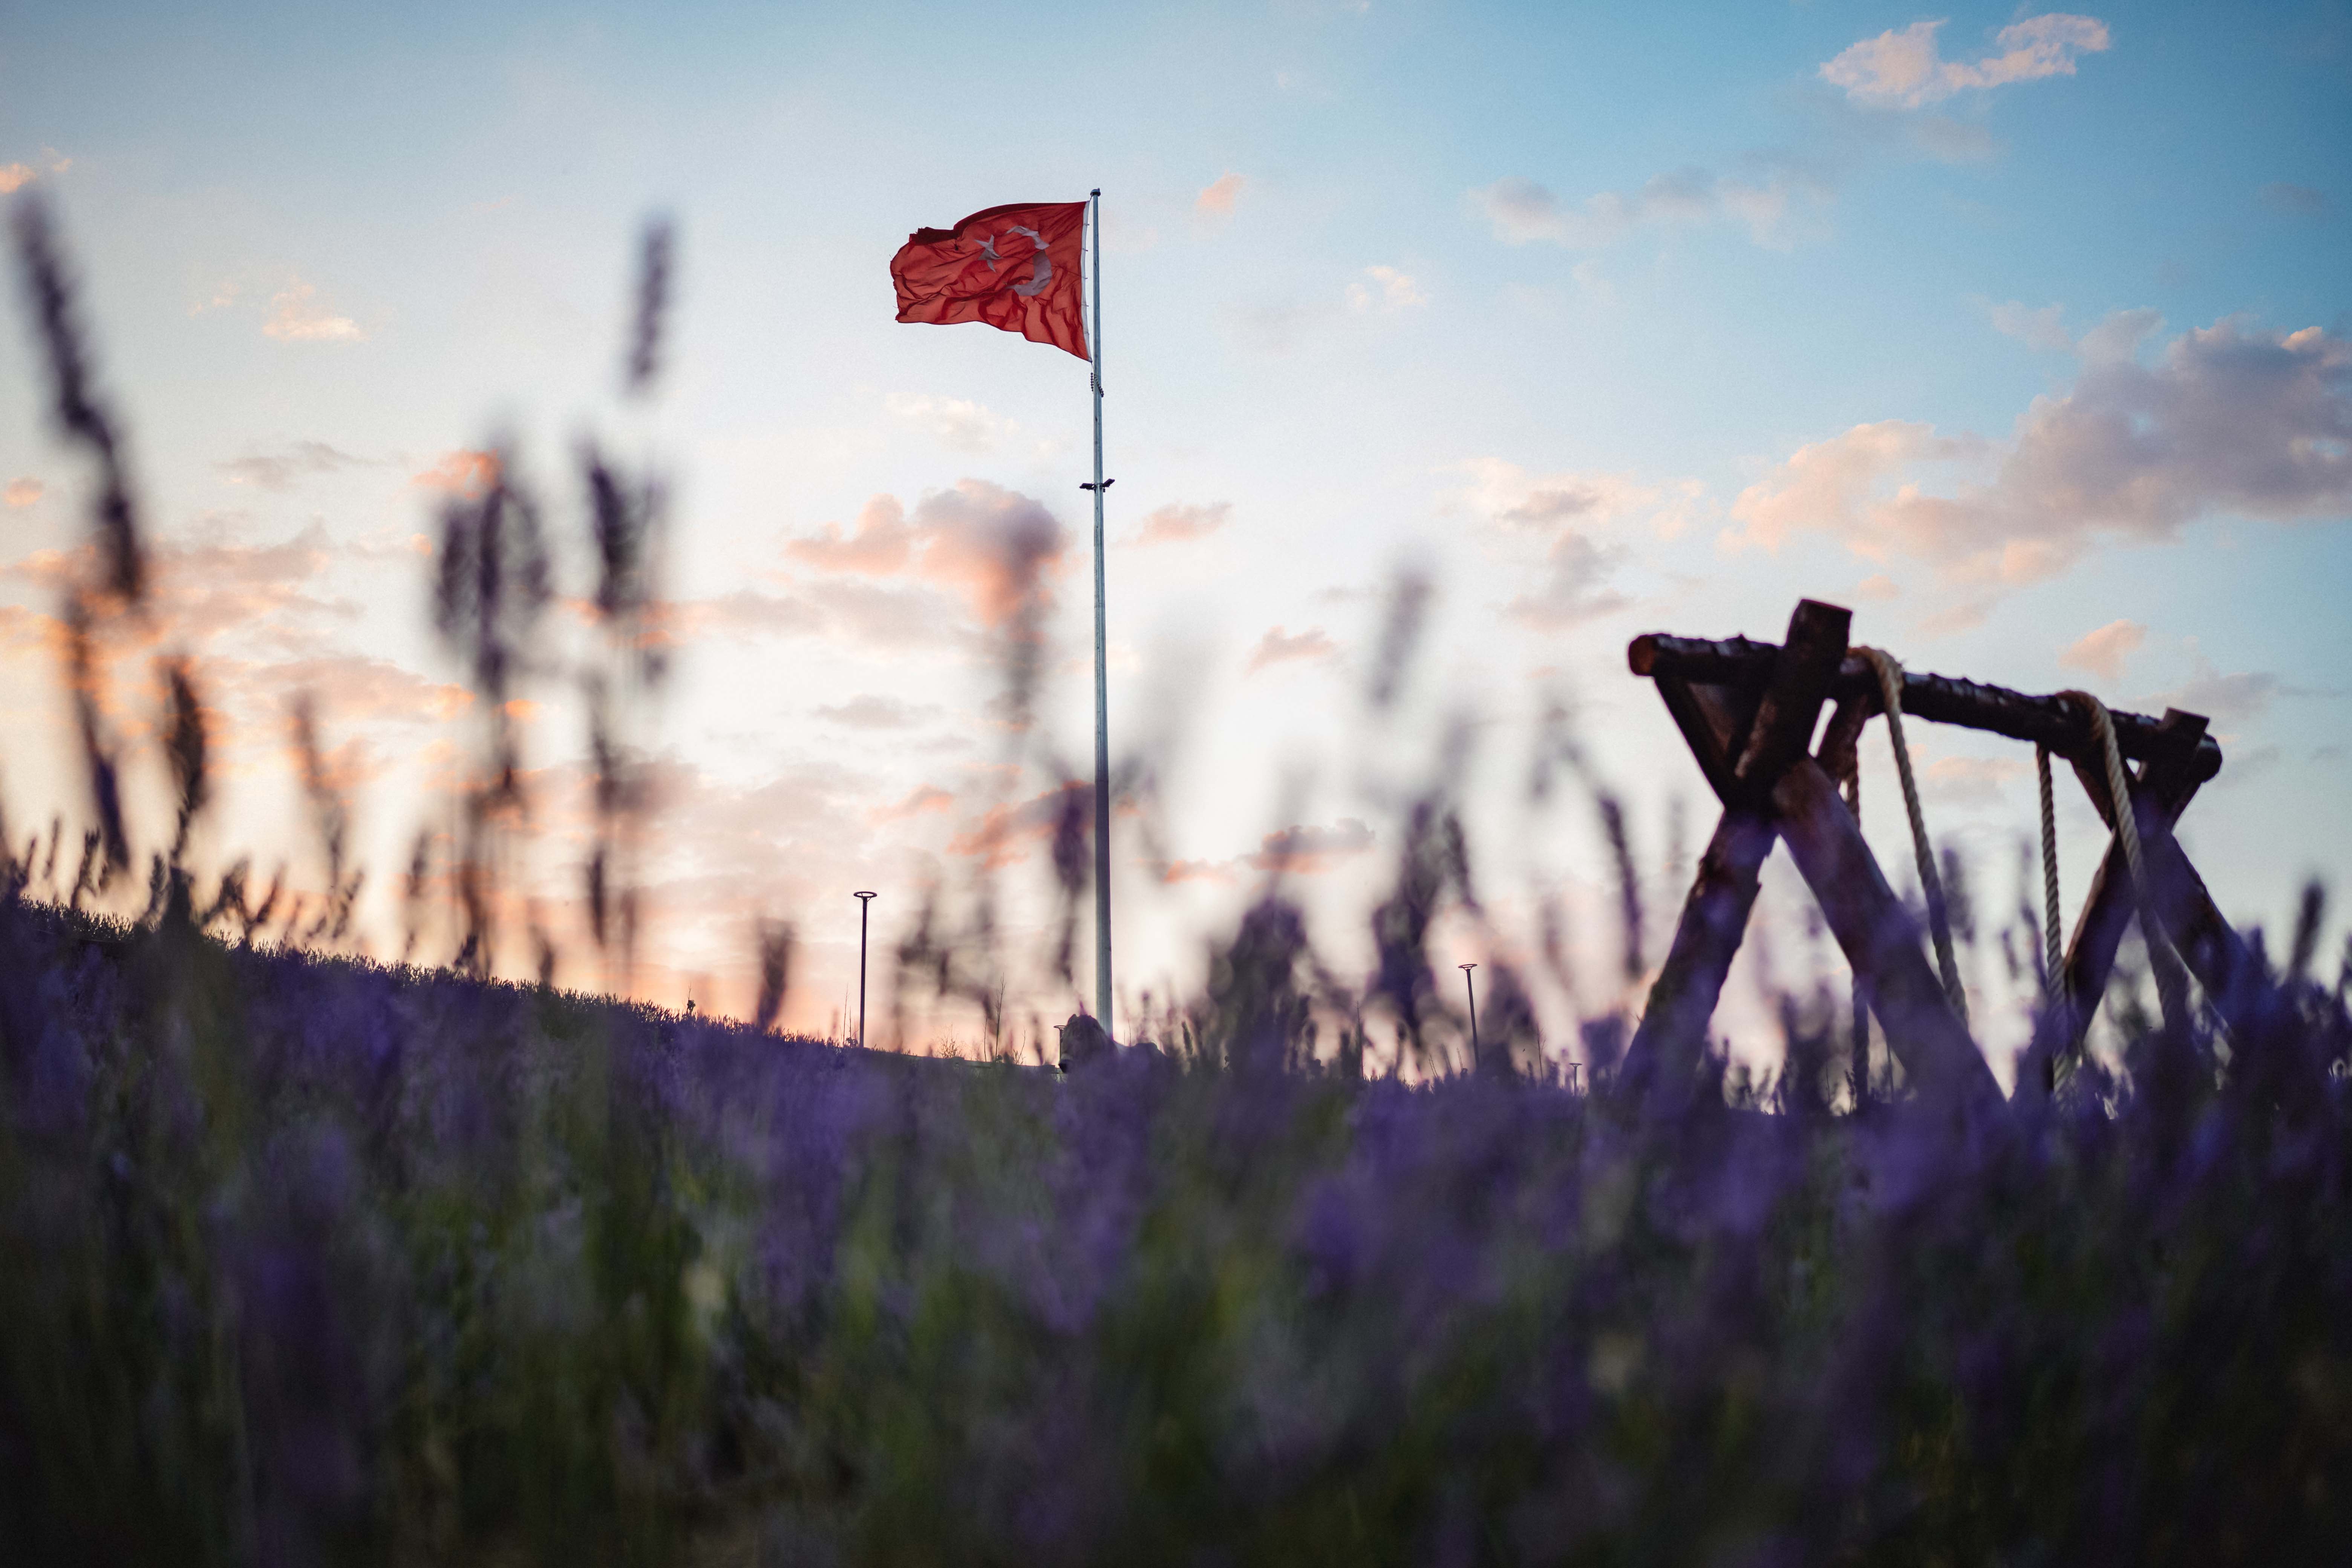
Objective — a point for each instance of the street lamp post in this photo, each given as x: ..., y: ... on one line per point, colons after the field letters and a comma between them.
x: 1471, y: 986
x: 865, y: 907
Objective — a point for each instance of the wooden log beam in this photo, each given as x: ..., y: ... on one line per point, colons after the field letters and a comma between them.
x: 1665, y: 1054
x: 2051, y: 721
x: 1880, y: 939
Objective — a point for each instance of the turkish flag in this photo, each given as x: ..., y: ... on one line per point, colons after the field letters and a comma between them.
x: 1012, y: 266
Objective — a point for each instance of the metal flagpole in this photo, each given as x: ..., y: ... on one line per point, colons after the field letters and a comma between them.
x: 865, y: 907
x: 1102, y: 681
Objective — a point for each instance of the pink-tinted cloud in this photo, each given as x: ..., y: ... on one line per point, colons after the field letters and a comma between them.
x: 1279, y: 646
x: 1179, y: 524
x: 22, y: 492
x: 462, y: 473
x: 15, y: 177
x: 1305, y: 850
x: 1907, y: 69
x: 1174, y: 873
x: 993, y: 547
x: 2226, y: 420
x: 2103, y: 652
x: 1005, y: 832
x: 1217, y: 197
x: 211, y: 588
x: 1827, y: 482
x: 922, y: 801
x: 881, y: 545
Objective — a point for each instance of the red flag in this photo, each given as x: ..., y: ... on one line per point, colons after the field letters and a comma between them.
x: 1012, y: 266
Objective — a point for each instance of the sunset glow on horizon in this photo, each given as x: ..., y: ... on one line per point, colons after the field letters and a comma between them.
x: 2027, y: 337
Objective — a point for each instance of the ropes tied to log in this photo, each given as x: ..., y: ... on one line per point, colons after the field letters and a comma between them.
x: 1861, y: 1068
x: 2054, y: 956
x: 2164, y: 966
x: 1890, y: 688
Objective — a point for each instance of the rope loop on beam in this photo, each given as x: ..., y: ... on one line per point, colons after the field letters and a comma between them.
x: 2163, y: 965
x: 2054, y: 974
x: 1939, y: 925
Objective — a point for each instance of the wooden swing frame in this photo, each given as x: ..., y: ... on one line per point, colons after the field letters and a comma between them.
x: 1748, y: 711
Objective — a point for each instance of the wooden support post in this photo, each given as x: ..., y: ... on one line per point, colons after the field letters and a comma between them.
x: 1672, y: 1038
x: 2168, y: 781
x: 2163, y: 790
x: 1743, y: 747
x: 1880, y: 939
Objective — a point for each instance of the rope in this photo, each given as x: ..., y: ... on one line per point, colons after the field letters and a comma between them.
x: 1890, y: 687
x: 1861, y: 1070
x: 2171, y: 990
x: 2054, y: 955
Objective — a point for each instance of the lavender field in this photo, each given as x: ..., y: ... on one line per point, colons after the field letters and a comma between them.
x: 307, y: 1258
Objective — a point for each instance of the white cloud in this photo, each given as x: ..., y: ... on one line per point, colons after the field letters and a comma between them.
x: 2227, y: 700
x: 1522, y: 211
x: 954, y: 422
x: 2044, y: 329
x: 1576, y: 516
x: 297, y: 316
x: 1180, y: 523
x: 1511, y: 497
x: 1907, y: 69
x: 2226, y: 420
x: 2103, y: 652
x: 1388, y: 289
x: 2279, y: 196
x: 1969, y: 780
x: 279, y: 470
x: 872, y: 712
x: 1279, y: 646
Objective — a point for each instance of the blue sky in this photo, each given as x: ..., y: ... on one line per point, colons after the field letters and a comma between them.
x: 1984, y: 322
